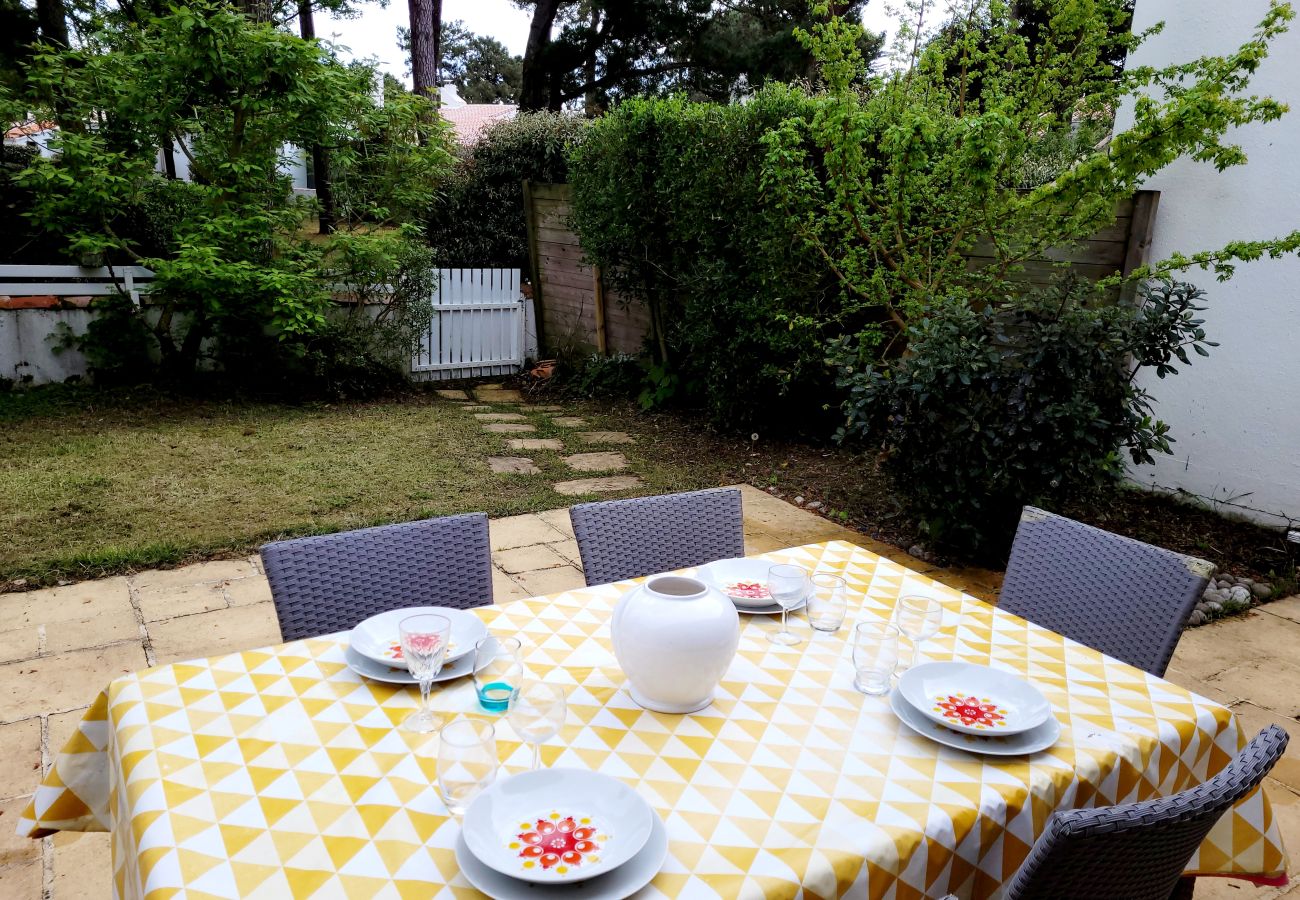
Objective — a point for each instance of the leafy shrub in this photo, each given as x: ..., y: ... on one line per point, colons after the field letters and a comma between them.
x: 478, y: 220
x: 619, y: 375
x: 1030, y: 401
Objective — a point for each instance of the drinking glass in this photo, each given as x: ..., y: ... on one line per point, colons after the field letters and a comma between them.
x: 467, y: 762
x: 828, y: 601
x: 497, y: 672
x: 787, y: 585
x: 536, y: 714
x: 875, y: 656
x: 919, y: 617
x: 424, y: 647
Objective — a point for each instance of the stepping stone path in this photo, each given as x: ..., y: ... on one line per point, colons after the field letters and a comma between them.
x: 535, y: 444
x: 507, y: 427
x: 496, y: 395
x: 499, y: 417
x: 569, y: 421
x: 597, y: 462
x: 452, y: 395
x: 597, y: 485
x: 477, y: 408
x: 605, y: 437
x: 513, y: 465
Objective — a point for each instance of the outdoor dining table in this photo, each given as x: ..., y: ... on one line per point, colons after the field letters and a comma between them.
x: 279, y: 772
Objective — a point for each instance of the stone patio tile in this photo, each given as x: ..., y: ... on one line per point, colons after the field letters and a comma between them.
x: 508, y: 427
x: 520, y: 531
x: 452, y: 394
x: 1253, y: 718
x: 607, y: 461
x: 551, y: 581
x: 255, y: 560
x: 597, y: 485
x: 504, y: 588
x: 157, y: 604
x: 20, y: 758
x: 528, y: 559
x: 248, y: 591
x: 64, y: 681
x: 761, y: 542
x: 215, y: 633
x: 1199, y: 686
x: 22, y: 881
x: 513, y: 465
x: 83, y: 865
x: 1287, y: 608
x: 605, y: 437
x: 15, y: 849
x: 59, y: 729
x: 570, y: 421
x: 569, y: 550
x: 106, y: 628
x: 1205, y: 652
x: 62, y: 604
x: 1273, y: 683
x: 489, y: 394
x: 535, y: 444
x: 21, y: 643
x: 559, y: 520
x: 199, y: 573
x: 500, y: 417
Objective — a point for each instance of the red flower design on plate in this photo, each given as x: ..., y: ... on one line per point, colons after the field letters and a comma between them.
x: 972, y: 712
x: 556, y: 842
x: 748, y: 590
x: 395, y: 647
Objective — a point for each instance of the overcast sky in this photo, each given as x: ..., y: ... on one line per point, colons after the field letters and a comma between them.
x: 374, y: 34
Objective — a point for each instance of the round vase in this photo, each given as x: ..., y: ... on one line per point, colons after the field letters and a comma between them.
x: 674, y: 638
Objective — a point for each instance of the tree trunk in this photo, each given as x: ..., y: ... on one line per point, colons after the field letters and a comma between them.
x: 169, y: 158
x: 435, y: 29
x: 424, y: 63
x: 320, y: 163
x: 589, y: 70
x: 535, y: 91
x: 257, y: 10
x: 52, y: 18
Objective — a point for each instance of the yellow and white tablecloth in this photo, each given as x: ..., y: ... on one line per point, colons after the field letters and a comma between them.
x: 280, y: 773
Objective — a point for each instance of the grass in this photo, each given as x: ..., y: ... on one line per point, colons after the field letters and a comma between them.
x: 97, y: 482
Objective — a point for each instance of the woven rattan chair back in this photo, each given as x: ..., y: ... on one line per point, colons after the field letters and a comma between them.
x: 331, y: 582
x: 1138, y: 851
x: 1120, y: 596
x: 620, y: 539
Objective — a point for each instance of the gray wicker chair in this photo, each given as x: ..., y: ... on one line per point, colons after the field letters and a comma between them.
x: 1121, y: 596
x: 332, y: 582
x: 1138, y: 851
x: 620, y: 539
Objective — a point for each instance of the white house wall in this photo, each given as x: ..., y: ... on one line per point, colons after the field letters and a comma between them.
x: 1236, y: 415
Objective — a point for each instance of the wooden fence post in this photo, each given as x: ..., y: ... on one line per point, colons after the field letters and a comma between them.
x: 534, y: 266
x: 1141, y: 228
x: 598, y: 290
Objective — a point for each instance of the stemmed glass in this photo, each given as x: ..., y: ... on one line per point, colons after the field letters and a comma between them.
x: 424, y: 646
x: 919, y: 618
x: 537, y: 714
x: 467, y: 762
x: 787, y: 585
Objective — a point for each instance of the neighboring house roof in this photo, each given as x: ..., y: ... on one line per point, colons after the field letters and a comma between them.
x: 470, y: 120
x: 20, y: 130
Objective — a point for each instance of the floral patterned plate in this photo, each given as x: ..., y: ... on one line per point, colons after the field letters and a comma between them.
x: 974, y: 699
x: 1032, y: 741
x: 743, y: 580
x: 378, y: 638
x: 555, y: 826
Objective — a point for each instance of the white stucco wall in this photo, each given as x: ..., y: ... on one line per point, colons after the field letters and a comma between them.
x: 29, y: 350
x: 1236, y: 415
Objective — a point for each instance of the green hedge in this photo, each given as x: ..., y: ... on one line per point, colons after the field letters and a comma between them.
x: 668, y: 198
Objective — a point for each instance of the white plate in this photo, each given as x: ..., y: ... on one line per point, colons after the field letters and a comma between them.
x: 1032, y: 741
x: 743, y: 580
x: 368, y: 668
x: 557, y: 826
x: 378, y: 638
x: 773, y: 610
x: 623, y: 882
x: 974, y: 699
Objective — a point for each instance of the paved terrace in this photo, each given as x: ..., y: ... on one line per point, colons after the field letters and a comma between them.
x: 58, y: 647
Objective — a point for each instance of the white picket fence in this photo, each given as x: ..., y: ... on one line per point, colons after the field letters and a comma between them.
x: 479, y: 326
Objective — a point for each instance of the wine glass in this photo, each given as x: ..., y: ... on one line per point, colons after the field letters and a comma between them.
x: 827, y: 602
x: 788, y: 585
x: 467, y: 762
x: 919, y: 617
x: 424, y: 646
x: 497, y: 672
x: 537, y: 714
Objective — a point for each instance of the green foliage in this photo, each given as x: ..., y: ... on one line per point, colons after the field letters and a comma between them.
x: 667, y: 199
x: 618, y: 376
x: 1031, y: 400
x: 478, y: 220
x: 480, y: 66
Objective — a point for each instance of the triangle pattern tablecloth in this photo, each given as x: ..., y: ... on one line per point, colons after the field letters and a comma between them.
x: 281, y: 773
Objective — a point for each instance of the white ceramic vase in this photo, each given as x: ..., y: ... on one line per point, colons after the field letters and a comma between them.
x: 675, y: 638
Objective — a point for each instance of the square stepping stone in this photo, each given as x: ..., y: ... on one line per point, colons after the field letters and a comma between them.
x: 535, y: 444
x: 597, y: 485
x: 499, y: 417
x: 605, y: 437
x: 550, y: 408
x: 570, y: 421
x: 496, y: 395
x: 513, y: 465
x: 607, y: 461
x: 507, y: 427
x: 450, y: 394
x: 477, y: 407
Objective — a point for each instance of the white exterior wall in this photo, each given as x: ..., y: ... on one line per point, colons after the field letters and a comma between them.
x: 1236, y: 415
x: 29, y: 351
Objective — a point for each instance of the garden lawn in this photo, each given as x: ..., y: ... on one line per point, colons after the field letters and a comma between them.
x: 94, y: 482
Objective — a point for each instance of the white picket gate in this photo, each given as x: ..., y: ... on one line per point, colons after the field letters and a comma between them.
x: 478, y: 326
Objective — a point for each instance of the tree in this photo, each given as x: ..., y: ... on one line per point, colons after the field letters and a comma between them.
x: 425, y: 38
x: 319, y: 158
x: 481, y: 67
